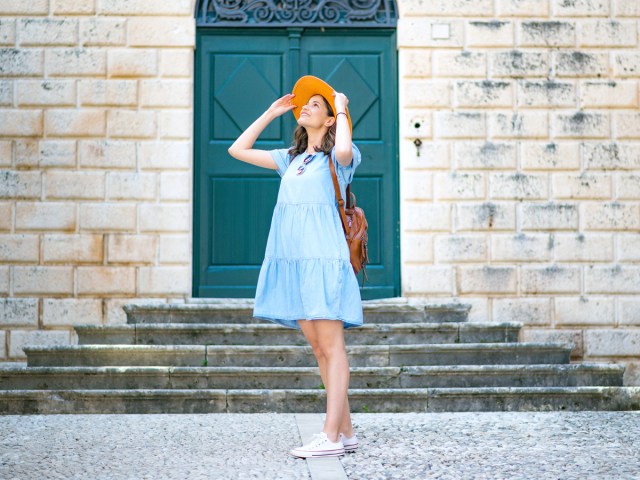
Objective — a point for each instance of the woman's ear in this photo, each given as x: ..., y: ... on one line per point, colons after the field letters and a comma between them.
x: 330, y: 121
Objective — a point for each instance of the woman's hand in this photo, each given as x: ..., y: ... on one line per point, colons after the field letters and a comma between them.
x: 282, y: 105
x: 341, y: 101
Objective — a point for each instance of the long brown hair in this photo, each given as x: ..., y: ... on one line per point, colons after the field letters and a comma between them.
x: 301, y: 139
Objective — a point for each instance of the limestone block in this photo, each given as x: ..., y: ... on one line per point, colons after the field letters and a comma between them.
x: 133, y: 62
x: 19, y: 184
x: 578, y: 63
x: 626, y: 64
x: 584, y: 185
x: 518, y: 185
x: 415, y: 63
x: 74, y: 184
x: 628, y: 187
x: 625, y: 8
x: 47, y: 31
x: 519, y: 125
x: 102, y: 31
x: 132, y: 248
x: 165, y: 93
x: 175, y: 249
x: 424, y: 93
x: 484, y: 155
x: 165, y: 218
x: 569, y: 337
x: 610, y: 216
x: 4, y: 280
x: 519, y: 63
x: 76, y: 62
x: 20, y: 123
x: 18, y: 311
x: 485, y: 93
x: 415, y: 247
x: 460, y: 124
x: 108, y: 92
x: 7, y: 31
x: 175, y: 124
x: 76, y: 123
x: 522, y: 8
x: 46, y: 92
x: 580, y: 8
x: 529, y: 311
x: 45, y: 153
x: 551, y: 279
x: 629, y: 311
x: 486, y: 279
x: 612, y: 342
x: 608, y: 33
x: 131, y: 186
x: 45, y: 216
x: 145, y: 7
x: 39, y: 280
x: 73, y: 7
x: 131, y: 123
x: 427, y: 279
x: 3, y: 351
x: 107, y: 217
x: 416, y: 185
x: 547, y: 34
x: 457, y: 63
x: 612, y: 279
x: 628, y: 247
x: 164, y: 155
x: 6, y: 153
x: 631, y: 375
x: 177, y: 62
x: 115, y: 315
x: 106, y: 280
x: 627, y: 125
x: 427, y: 216
x: 548, y: 216
x: 22, y: 338
x: 618, y: 94
x: 546, y: 94
x: 584, y: 311
x: 408, y: 119
x: 6, y: 216
x: 493, y: 33
x: 16, y: 62
x: 6, y: 93
x: 417, y: 32
x: 485, y: 216
x: 69, y: 311
x: 164, y: 280
x: 580, y: 124
x: 520, y: 247
x: 609, y: 156
x: 161, y: 32
x: 459, y: 186
x: 447, y: 8
x: 72, y: 248
x: 460, y: 248
x: 590, y: 247
x: 19, y: 248
x: 107, y: 154
x: 175, y: 186
x: 432, y: 155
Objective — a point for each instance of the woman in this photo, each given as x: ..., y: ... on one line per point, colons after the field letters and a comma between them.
x: 306, y: 280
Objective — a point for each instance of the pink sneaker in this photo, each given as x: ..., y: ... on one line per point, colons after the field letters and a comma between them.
x: 319, y: 446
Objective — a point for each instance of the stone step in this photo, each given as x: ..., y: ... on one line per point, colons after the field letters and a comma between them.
x: 444, y: 376
x: 242, y: 312
x: 256, y: 334
x: 297, y: 356
x: 313, y: 401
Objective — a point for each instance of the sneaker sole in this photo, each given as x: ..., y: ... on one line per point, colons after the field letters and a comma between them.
x: 329, y: 453
x: 351, y: 449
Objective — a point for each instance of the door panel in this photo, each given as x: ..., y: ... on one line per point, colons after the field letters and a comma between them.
x: 237, y: 77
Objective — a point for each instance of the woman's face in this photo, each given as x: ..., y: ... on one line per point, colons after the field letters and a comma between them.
x: 315, y: 114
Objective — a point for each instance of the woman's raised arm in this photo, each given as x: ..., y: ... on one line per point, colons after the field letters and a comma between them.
x: 242, y: 149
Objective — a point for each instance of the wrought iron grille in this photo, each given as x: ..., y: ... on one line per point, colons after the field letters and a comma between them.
x: 300, y: 13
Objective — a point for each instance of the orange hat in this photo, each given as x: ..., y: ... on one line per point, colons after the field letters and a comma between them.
x: 308, y: 86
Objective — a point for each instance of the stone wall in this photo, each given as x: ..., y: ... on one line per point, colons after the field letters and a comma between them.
x: 95, y: 162
x: 525, y: 198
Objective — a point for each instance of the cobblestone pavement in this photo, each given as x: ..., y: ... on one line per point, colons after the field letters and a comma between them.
x: 470, y: 445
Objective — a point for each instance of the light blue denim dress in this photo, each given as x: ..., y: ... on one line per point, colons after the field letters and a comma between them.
x: 306, y: 273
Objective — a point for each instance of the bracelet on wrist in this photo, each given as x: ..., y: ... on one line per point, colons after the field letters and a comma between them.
x: 341, y: 113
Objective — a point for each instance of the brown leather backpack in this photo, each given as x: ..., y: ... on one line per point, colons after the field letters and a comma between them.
x: 355, y: 227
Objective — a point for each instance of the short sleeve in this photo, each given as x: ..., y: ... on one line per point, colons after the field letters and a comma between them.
x: 345, y: 174
x: 282, y: 159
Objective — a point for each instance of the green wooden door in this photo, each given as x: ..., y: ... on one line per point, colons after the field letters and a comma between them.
x: 238, y: 74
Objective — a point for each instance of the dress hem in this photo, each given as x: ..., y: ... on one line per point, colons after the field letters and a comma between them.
x: 293, y: 323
